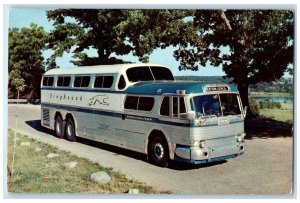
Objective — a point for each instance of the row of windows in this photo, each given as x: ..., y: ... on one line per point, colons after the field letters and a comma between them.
x: 80, y: 81
x: 146, y: 104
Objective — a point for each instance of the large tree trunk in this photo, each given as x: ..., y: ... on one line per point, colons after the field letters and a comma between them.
x: 243, y: 89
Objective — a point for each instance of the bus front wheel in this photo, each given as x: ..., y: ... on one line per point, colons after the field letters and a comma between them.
x: 158, y: 152
x: 70, y: 130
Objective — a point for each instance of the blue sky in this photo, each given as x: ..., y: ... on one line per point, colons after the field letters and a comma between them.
x: 23, y: 16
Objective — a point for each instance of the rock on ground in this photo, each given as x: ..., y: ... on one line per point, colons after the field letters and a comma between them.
x: 100, y: 177
x: 70, y: 165
x: 37, y: 149
x: 52, y: 155
x: 25, y: 144
x: 133, y: 191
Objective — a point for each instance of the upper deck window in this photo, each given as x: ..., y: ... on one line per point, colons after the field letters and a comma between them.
x: 63, y: 81
x: 82, y: 81
x: 48, y: 81
x: 161, y: 73
x: 103, y: 81
x: 139, y: 74
x: 145, y: 73
x: 122, y: 83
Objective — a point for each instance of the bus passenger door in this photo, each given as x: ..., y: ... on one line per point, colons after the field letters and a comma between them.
x: 179, y: 119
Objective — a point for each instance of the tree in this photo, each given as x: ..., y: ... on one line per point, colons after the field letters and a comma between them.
x: 26, y: 62
x: 251, y: 46
x: 112, y: 32
x: 16, y: 81
x: 88, y: 29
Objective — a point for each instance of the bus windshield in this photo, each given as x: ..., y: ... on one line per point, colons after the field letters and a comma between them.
x: 216, y: 105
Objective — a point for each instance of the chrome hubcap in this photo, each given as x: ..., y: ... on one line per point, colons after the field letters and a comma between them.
x: 159, y: 151
x: 69, y: 130
x: 58, y: 128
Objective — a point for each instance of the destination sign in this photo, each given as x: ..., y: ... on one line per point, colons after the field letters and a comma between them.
x: 217, y: 88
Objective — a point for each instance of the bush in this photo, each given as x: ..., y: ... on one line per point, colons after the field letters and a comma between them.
x: 269, y: 104
x: 254, y: 106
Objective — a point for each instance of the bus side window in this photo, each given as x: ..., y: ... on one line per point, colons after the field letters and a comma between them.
x: 131, y: 102
x: 179, y: 109
x: 182, y: 108
x: 122, y: 83
x: 164, y: 109
x: 175, y: 106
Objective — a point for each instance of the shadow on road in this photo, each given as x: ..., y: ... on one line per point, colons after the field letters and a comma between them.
x: 36, y: 124
x: 265, y: 132
x: 184, y: 167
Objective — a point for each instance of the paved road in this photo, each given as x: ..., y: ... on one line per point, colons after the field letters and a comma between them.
x: 265, y: 168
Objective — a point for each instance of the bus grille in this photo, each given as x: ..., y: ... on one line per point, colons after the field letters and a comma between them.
x: 46, y: 117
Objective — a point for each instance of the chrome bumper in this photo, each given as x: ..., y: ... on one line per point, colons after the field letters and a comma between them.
x: 197, y: 155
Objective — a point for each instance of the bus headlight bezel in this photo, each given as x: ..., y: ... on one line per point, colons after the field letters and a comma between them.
x: 202, y: 144
x: 240, y: 137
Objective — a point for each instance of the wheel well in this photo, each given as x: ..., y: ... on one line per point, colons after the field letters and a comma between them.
x: 57, y: 114
x: 157, y: 133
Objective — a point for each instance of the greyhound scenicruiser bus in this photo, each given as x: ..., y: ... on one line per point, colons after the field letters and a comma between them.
x: 142, y: 108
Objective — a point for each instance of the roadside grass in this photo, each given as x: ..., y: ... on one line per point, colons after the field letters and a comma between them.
x: 284, y: 114
x: 34, y: 173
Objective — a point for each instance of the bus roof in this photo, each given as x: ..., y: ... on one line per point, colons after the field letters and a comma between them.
x: 116, y: 68
x: 159, y: 88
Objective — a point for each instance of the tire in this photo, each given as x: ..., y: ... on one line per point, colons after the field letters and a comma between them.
x: 59, y: 127
x: 158, y: 151
x: 70, y: 130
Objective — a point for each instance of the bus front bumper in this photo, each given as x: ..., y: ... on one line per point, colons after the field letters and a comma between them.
x: 196, y: 155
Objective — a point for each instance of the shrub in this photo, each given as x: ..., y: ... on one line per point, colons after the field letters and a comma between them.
x: 254, y: 105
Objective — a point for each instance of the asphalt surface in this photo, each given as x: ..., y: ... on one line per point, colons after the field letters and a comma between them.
x: 266, y: 168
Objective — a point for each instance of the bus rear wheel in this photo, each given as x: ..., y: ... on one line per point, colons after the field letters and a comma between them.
x: 158, y: 151
x: 70, y: 130
x: 59, y: 127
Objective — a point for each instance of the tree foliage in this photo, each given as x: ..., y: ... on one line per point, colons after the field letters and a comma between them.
x: 88, y: 29
x: 25, y: 61
x: 251, y: 46
x: 16, y: 81
x: 113, y: 33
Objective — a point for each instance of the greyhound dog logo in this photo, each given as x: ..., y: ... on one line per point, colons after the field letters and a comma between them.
x: 100, y: 99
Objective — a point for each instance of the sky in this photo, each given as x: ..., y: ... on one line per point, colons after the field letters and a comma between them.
x: 23, y: 16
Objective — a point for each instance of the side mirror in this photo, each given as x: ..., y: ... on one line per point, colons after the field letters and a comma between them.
x: 245, y: 111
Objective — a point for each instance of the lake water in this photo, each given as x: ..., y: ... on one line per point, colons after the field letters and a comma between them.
x: 276, y: 99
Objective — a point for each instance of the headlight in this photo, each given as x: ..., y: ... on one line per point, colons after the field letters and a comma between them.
x: 202, y: 144
x: 240, y: 137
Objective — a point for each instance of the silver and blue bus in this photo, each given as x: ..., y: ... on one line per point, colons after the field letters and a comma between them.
x: 141, y: 107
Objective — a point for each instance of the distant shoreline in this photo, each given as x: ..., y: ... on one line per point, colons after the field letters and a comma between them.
x: 270, y: 94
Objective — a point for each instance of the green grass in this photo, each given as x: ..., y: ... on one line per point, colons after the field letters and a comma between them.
x: 284, y: 114
x: 34, y: 173
x: 270, y: 94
